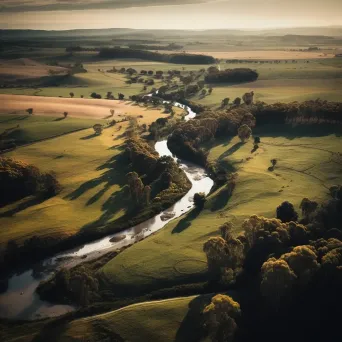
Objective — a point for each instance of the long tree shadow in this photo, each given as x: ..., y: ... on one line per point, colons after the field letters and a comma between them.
x: 231, y: 150
x: 114, y: 174
x: 115, y: 171
x: 118, y: 201
x: 220, y: 200
x: 185, y: 222
x: 192, y: 327
x: 28, y: 202
x: 90, y: 136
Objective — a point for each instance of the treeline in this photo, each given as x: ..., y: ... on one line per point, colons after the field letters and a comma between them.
x: 171, y: 46
x: 237, y: 75
x: 187, y: 137
x: 286, y: 273
x: 79, y: 48
x: 19, y: 180
x: 155, y: 56
x: 313, y: 111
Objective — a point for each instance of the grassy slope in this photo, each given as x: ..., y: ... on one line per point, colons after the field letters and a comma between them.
x: 177, y: 319
x: 167, y: 320
x: 176, y: 250
x: 284, y: 82
x: 93, y: 183
x: 33, y: 128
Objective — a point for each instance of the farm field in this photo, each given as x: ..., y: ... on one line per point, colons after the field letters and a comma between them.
x: 307, y: 166
x: 76, y: 108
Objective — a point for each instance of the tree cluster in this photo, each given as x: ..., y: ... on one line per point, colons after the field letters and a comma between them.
x: 155, y: 56
x: 187, y: 137
x: 308, y: 112
x: 237, y: 75
x: 18, y: 180
x: 284, y: 273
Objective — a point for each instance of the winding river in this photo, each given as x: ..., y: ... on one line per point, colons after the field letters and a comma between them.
x: 20, y: 301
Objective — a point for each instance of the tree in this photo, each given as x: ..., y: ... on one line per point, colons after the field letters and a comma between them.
x: 121, y: 96
x: 277, y: 280
x: 82, y: 96
x: 215, y: 250
x: 220, y: 318
x: 237, y: 101
x: 248, y: 98
x: 257, y: 140
x: 213, y: 69
x: 274, y: 162
x: 204, y: 92
x: 244, y: 133
x: 303, y: 261
x: 136, y: 188
x: 226, y: 231
x: 225, y: 102
x: 71, y: 94
x: 112, y: 111
x: 98, y: 128
x: 308, y: 207
x: 286, y: 212
x: 210, y: 90
x: 199, y: 200
x: 65, y: 114
x: 29, y: 111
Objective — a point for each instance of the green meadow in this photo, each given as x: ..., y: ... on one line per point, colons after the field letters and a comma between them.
x: 308, y: 164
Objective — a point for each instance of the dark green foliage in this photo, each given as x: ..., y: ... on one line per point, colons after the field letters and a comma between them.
x: 18, y: 180
x: 155, y: 56
x: 186, y: 139
x: 199, y: 200
x: 286, y: 212
x: 232, y: 76
x: 256, y: 140
x: 308, y: 112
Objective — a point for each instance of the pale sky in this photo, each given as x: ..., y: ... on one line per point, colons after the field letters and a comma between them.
x: 168, y: 14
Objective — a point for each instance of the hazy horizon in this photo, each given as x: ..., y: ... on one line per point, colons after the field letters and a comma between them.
x: 167, y: 14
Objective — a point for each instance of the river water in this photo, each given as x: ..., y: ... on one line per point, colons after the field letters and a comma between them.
x: 20, y: 301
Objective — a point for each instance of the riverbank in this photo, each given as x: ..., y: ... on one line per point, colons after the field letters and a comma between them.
x: 29, y: 280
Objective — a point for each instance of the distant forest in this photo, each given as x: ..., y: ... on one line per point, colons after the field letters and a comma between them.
x: 155, y: 56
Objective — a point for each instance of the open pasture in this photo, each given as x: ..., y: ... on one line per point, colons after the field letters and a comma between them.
x: 308, y: 164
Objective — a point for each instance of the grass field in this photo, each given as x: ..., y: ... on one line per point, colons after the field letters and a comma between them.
x: 93, y: 182
x: 177, y: 319
x: 287, y: 82
x: 308, y: 164
x: 35, y: 127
